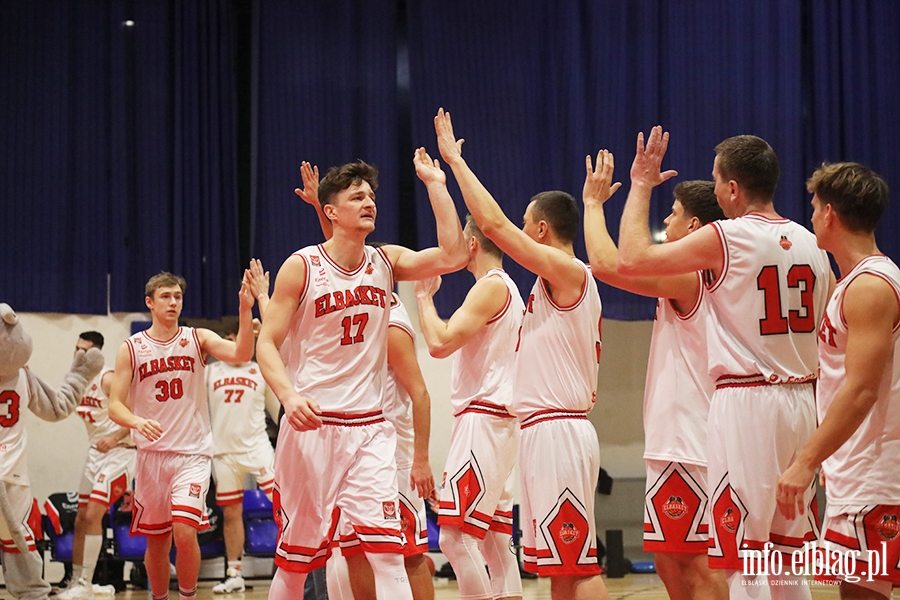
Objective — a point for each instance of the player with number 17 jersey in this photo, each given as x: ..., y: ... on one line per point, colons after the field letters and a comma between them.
x: 168, y: 386
x: 339, y: 333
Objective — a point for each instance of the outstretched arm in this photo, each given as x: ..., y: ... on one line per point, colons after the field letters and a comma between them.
x: 638, y: 255
x: 258, y: 279
x: 451, y: 254
x: 552, y: 264
x: 871, y: 312
x: 301, y: 413
x: 602, y: 252
x: 310, y: 195
x: 483, y: 302
x: 241, y: 349
x: 402, y: 359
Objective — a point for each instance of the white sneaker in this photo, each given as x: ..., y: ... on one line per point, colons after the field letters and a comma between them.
x: 104, y: 590
x: 233, y: 583
x: 78, y: 590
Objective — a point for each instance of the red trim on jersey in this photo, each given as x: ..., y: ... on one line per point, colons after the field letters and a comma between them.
x: 713, y: 285
x: 341, y: 269
x: 351, y: 420
x: 162, y: 342
x: 693, y: 310
x: 404, y: 328
x: 387, y: 261
x: 483, y: 407
x: 551, y: 415
x: 765, y: 219
x: 575, y: 304
x: 130, y: 343
x: 199, y: 348
x: 874, y: 274
x: 508, y: 303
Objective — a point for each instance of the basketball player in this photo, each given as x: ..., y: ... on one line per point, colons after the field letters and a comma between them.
x: 159, y: 391
x: 407, y: 405
x: 238, y: 401
x: 556, y: 378
x: 767, y: 283
x: 858, y: 438
x: 476, y: 501
x: 327, y: 324
x: 106, y: 476
x: 678, y: 388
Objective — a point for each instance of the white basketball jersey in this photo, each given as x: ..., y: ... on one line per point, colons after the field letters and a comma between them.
x: 678, y: 387
x: 768, y: 301
x: 237, y: 406
x: 558, y: 352
x: 864, y: 470
x: 94, y: 411
x: 15, y: 395
x: 335, y: 352
x: 168, y: 386
x: 397, y: 403
x: 483, y: 368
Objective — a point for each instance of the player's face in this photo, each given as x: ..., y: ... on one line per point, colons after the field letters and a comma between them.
x: 166, y: 304
x: 354, y: 207
x: 83, y: 344
x: 677, y: 224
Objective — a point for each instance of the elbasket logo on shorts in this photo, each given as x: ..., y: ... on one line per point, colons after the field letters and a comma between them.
x: 675, y: 508
x: 728, y: 521
x: 785, y: 243
x: 889, y: 528
x: 390, y: 510
x: 568, y: 533
x: 195, y: 490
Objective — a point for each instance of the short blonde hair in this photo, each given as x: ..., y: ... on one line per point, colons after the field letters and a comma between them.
x: 164, y: 279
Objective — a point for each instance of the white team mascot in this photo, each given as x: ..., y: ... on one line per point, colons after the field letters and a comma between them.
x: 19, y: 387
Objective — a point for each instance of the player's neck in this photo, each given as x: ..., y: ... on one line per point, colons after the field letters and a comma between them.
x: 345, y: 249
x: 163, y: 330
x: 764, y: 208
x: 484, y: 263
x: 853, y: 249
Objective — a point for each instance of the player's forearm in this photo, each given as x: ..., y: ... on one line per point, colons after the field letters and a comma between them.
x: 272, y: 368
x: 262, y: 301
x: 243, y: 343
x: 449, y: 230
x: 421, y: 409
x: 121, y: 415
x: 434, y: 329
x: 601, y: 250
x: 481, y: 204
x: 634, y: 232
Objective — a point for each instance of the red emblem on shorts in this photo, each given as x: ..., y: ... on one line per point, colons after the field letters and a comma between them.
x: 889, y: 528
x: 728, y: 520
x: 675, y: 508
x: 785, y: 243
x: 183, y: 342
x: 390, y: 510
x: 369, y: 269
x: 195, y: 490
x: 568, y: 533
x: 253, y: 371
x: 314, y: 260
x: 101, y: 478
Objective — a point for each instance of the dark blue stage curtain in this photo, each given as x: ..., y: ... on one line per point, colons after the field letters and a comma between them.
x: 535, y: 89
x: 854, y: 95
x: 54, y: 156
x: 325, y: 91
x: 118, y: 154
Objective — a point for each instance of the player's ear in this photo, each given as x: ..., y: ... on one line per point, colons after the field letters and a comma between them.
x: 695, y: 224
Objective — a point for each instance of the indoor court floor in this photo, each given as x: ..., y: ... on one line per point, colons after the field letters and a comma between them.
x: 643, y: 587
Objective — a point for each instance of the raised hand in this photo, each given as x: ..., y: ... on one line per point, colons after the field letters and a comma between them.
x: 428, y: 170
x: 310, y: 191
x: 427, y: 287
x: 245, y: 295
x: 645, y: 170
x: 449, y: 147
x: 257, y: 278
x: 597, y: 182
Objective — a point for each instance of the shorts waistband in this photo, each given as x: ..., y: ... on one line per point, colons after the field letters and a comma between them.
x: 551, y: 415
x: 486, y: 408
x: 352, y: 420
x: 757, y: 379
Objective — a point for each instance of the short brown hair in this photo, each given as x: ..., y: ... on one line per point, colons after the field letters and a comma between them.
x: 164, y: 279
x: 698, y: 198
x: 560, y: 211
x: 472, y: 230
x: 340, y: 178
x: 750, y: 161
x: 856, y: 193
